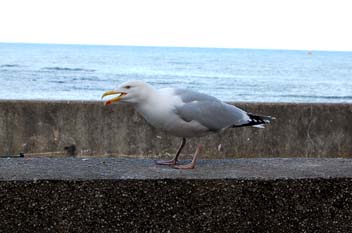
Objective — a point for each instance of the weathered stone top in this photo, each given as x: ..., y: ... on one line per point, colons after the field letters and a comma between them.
x: 122, y: 168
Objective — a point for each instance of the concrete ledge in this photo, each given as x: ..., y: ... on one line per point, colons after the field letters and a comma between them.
x: 48, y: 127
x: 93, y: 168
x: 127, y: 195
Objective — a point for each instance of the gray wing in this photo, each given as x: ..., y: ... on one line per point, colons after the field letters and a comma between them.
x: 209, y: 111
x: 188, y: 96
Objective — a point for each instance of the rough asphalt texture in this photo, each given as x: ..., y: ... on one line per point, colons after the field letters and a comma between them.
x: 135, y: 195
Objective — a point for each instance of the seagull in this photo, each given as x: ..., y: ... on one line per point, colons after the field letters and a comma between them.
x: 183, y: 113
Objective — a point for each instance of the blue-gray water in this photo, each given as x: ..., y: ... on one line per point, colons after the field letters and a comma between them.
x: 75, y: 72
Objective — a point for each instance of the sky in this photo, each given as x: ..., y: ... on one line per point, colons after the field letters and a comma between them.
x: 269, y: 24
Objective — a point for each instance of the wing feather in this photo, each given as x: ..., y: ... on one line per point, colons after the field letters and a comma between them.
x: 209, y: 111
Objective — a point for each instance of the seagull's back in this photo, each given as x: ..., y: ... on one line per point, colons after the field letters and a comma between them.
x: 209, y: 111
x: 187, y: 113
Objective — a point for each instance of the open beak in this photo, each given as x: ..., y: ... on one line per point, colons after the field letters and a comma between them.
x: 116, y: 99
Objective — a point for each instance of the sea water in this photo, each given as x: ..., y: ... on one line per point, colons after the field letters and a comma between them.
x: 84, y: 72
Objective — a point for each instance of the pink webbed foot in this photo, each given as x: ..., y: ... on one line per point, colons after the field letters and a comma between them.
x: 174, y: 160
x: 166, y: 162
x: 185, y: 166
x: 192, y: 164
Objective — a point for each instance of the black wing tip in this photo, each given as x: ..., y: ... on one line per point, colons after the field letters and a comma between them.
x: 257, y: 121
x: 259, y: 118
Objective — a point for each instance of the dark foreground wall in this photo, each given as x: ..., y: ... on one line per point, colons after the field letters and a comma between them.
x: 125, y: 195
x: 309, y: 130
x: 177, y: 206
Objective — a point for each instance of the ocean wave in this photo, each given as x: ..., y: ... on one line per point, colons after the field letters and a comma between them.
x: 9, y: 65
x: 88, y: 88
x: 93, y: 78
x: 58, y: 68
x: 178, y: 63
x: 318, y: 97
x: 56, y: 81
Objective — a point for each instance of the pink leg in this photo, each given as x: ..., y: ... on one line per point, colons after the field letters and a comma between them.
x: 174, y: 160
x: 192, y: 164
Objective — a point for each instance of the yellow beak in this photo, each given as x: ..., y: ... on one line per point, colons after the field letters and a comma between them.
x: 116, y: 99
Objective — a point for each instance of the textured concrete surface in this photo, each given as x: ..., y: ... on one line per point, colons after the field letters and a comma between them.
x: 145, y: 169
x: 124, y: 195
x: 90, y: 129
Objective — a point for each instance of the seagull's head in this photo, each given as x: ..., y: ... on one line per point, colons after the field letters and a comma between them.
x: 130, y: 92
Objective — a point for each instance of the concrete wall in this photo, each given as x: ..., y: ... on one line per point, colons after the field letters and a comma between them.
x: 46, y: 128
x: 134, y: 195
x: 276, y: 206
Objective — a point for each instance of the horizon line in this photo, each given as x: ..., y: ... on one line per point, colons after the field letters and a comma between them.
x: 172, y: 46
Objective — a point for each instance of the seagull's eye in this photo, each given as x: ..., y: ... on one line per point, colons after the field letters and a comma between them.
x: 127, y: 87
